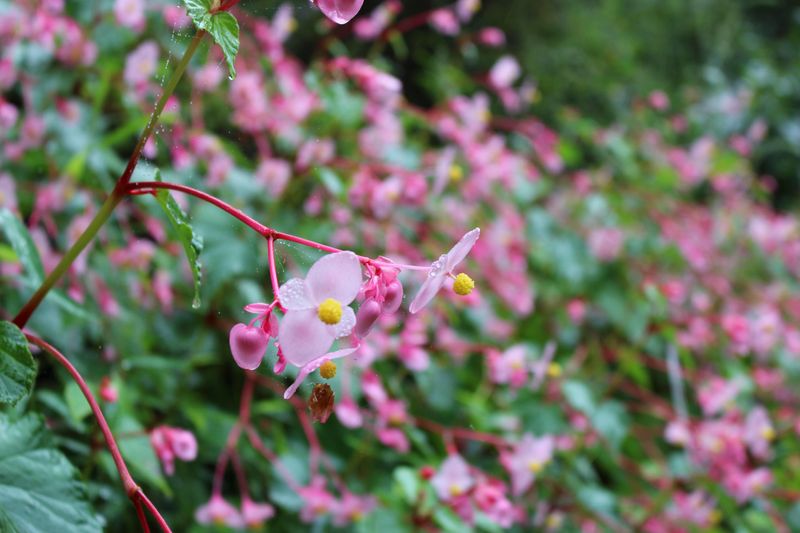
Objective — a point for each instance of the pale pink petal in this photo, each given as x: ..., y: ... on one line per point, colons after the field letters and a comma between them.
x: 461, y: 249
x: 257, y: 308
x: 339, y: 11
x: 345, y: 325
x: 336, y: 276
x: 294, y: 295
x: 303, y: 337
x: 248, y: 345
x: 314, y: 365
x: 429, y: 288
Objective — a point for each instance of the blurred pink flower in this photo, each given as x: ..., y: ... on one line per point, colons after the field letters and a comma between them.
x: 317, y: 501
x: 717, y: 394
x: 339, y: 11
x: 444, y: 21
x: 130, y: 13
x: 141, y: 64
x: 255, y: 514
x: 218, y: 512
x: 606, y: 243
x: 504, y: 73
x: 352, y: 508
x: 529, y: 457
x: 453, y: 478
x: 171, y: 442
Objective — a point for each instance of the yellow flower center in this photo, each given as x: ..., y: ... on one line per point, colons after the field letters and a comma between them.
x: 768, y: 433
x: 327, y: 370
x: 456, y: 173
x: 554, y: 370
x: 455, y: 490
x: 330, y: 311
x: 463, y: 284
x: 535, y: 466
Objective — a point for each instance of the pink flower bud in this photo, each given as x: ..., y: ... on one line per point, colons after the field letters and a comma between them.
x: 339, y: 11
x: 248, y: 345
x: 393, y: 297
x: 367, y: 314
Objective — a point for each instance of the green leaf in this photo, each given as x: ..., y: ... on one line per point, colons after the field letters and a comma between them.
x: 222, y: 26
x: 39, y: 490
x: 20, y: 240
x: 17, y: 366
x: 191, y: 241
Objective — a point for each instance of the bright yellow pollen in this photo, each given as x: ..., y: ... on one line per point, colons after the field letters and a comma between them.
x: 535, y: 466
x: 330, y: 311
x: 456, y: 173
x: 768, y: 433
x: 455, y: 490
x: 554, y: 370
x: 463, y: 284
x: 327, y: 370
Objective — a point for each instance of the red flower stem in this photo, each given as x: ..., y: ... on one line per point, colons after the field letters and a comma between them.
x: 258, y: 445
x: 462, y: 433
x: 152, y: 508
x: 241, y: 479
x: 273, y: 270
x: 142, y: 517
x: 131, y: 488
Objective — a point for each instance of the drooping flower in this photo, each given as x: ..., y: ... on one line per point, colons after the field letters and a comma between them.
x: 318, y: 313
x: 171, y: 442
x: 248, y: 342
x: 317, y: 501
x: 219, y: 512
x: 254, y: 514
x: 442, y: 268
x: 339, y: 11
x: 453, y: 478
x: 529, y: 457
x: 352, y: 508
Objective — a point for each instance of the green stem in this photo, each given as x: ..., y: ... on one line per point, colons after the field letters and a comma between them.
x: 116, y: 195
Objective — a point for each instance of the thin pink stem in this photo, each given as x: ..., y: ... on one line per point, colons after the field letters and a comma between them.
x: 258, y: 445
x: 236, y: 213
x: 273, y: 270
x: 141, y: 516
x: 131, y: 488
x: 152, y: 508
x: 241, y: 479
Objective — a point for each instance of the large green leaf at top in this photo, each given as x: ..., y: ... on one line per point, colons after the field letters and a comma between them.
x: 222, y: 26
x: 17, y: 365
x: 39, y: 490
x: 191, y: 241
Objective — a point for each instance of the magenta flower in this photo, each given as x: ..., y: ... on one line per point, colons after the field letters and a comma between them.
x: 317, y: 501
x: 453, y: 478
x: 339, y: 11
x: 318, y: 313
x: 255, y: 514
x: 169, y: 443
x: 529, y: 457
x: 442, y: 268
x: 352, y: 508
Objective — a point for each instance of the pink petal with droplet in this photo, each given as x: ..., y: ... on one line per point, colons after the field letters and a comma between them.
x: 461, y: 249
x: 248, y: 345
x: 336, y: 276
x: 428, y: 290
x: 303, y: 337
x: 340, y: 11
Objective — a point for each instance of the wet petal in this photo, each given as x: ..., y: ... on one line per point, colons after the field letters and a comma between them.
x: 340, y: 11
x: 345, y: 325
x: 303, y: 337
x: 248, y: 345
x: 461, y: 249
x: 314, y: 365
x: 429, y: 288
x: 294, y: 295
x: 256, y: 308
x: 336, y: 276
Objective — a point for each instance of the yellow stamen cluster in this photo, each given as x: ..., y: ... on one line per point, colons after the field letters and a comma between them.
x: 455, y: 490
x: 330, y: 311
x: 535, y: 466
x: 456, y: 173
x: 463, y: 284
x: 327, y: 370
x: 768, y: 433
x: 554, y: 370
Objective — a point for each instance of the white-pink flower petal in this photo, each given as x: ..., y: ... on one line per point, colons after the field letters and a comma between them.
x: 345, y: 325
x: 429, y: 288
x: 336, y: 276
x: 314, y: 365
x: 461, y: 249
x: 303, y: 336
x: 295, y: 295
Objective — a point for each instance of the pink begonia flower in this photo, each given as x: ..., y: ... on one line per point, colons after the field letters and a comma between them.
x: 141, y: 64
x: 510, y: 367
x: 529, y: 457
x: 442, y: 268
x: 176, y: 17
x: 696, y: 508
x: 130, y: 13
x: 318, y: 313
x: 467, y: 8
x: 274, y: 175
x: 606, y: 243
x: 170, y: 442
x: 678, y: 433
x: 504, y: 73
x: 717, y: 394
x: 348, y: 413
x: 492, y: 37
x: 316, y: 499
x: 219, y: 512
x: 490, y: 497
x: 339, y: 11
x: 444, y: 21
x: 453, y: 478
x: 758, y: 432
x: 352, y: 508
x: 249, y: 342
x: 255, y: 514
x: 743, y: 485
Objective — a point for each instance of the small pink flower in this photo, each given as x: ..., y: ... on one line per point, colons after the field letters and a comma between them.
x: 318, y: 313
x: 248, y: 342
x: 352, y: 508
x: 529, y: 457
x: 255, y: 514
x: 141, y: 64
x: 758, y: 432
x: 339, y: 11
x: 348, y: 413
x: 107, y: 391
x: 444, y: 21
x: 453, y: 478
x: 717, y: 395
x: 130, y: 13
x: 170, y: 442
x: 218, y: 512
x: 317, y: 500
x: 442, y: 268
x: 504, y: 73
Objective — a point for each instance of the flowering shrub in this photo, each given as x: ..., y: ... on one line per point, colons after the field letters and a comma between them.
x: 605, y: 340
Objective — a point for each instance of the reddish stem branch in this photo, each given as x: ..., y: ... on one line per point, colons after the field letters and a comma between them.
x: 462, y: 433
x: 131, y: 488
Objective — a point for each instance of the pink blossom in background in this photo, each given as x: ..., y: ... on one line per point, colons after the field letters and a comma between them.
x: 339, y: 11
x: 130, y: 13
x: 453, y: 479
x: 717, y: 394
x: 317, y: 501
x: 219, y: 512
x: 606, y: 243
x: 530, y: 456
x: 444, y: 20
x: 140, y: 66
x: 254, y: 514
x: 170, y: 443
x: 505, y: 72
